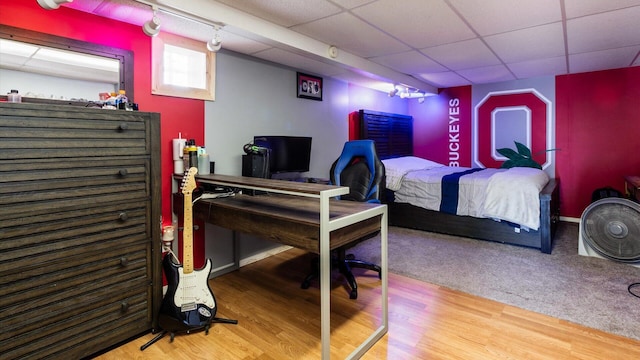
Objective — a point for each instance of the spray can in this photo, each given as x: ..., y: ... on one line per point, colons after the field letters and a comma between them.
x: 193, y: 154
x: 185, y: 155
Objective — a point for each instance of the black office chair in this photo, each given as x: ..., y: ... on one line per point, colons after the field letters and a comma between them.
x: 359, y: 168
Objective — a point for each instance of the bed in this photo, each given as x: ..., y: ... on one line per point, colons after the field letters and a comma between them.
x: 478, y: 211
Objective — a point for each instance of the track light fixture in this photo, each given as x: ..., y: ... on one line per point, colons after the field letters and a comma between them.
x: 409, y: 94
x: 52, y: 4
x: 152, y: 27
x: 215, y: 43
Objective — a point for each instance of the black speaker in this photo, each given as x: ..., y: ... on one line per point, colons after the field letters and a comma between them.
x: 255, y: 165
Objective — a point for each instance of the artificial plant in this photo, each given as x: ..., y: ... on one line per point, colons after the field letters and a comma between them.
x: 521, y: 158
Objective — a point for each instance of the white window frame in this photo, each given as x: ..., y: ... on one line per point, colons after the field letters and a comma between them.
x: 159, y: 87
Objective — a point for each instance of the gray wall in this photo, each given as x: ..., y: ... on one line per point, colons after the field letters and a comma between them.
x: 259, y: 98
x: 255, y: 97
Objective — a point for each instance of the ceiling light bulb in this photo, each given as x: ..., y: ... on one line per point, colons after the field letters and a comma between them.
x: 52, y: 4
x: 152, y: 27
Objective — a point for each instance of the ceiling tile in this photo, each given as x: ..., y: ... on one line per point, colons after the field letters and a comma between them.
x: 417, y: 23
x: 604, y: 31
x: 605, y: 59
x: 410, y: 62
x: 462, y: 55
x: 497, y: 16
x: 527, y: 44
x: 285, y: 12
x: 539, y: 67
x: 577, y: 8
x: 445, y: 79
x: 487, y: 74
x: 348, y: 32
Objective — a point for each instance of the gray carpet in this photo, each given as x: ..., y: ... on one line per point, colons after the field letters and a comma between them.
x: 584, y: 290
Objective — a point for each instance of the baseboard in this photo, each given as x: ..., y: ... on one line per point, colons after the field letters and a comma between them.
x: 570, y: 219
x: 264, y: 255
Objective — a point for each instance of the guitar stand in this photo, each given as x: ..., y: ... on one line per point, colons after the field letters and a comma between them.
x: 172, y: 334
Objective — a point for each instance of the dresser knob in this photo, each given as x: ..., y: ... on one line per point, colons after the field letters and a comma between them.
x: 123, y: 216
x: 124, y: 261
x: 123, y: 126
x: 124, y: 306
x: 123, y: 172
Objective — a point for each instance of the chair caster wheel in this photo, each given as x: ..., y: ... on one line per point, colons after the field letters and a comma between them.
x: 305, y: 285
x: 353, y: 294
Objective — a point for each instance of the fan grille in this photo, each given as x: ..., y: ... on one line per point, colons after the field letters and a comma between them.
x: 611, y: 227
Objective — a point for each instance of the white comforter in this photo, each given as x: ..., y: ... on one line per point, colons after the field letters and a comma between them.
x: 501, y: 194
x: 514, y: 195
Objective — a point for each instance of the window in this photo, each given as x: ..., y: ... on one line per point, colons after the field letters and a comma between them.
x: 182, y: 67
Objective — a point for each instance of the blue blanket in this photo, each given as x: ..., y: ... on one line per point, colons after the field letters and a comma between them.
x: 450, y: 190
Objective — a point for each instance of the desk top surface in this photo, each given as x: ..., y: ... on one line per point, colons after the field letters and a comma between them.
x: 271, y: 184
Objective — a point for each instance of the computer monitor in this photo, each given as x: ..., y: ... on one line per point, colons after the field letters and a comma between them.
x: 288, y: 153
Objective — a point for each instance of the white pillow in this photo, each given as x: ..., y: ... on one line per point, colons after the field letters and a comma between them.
x: 397, y: 168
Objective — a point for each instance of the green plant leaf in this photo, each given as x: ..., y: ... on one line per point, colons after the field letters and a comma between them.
x: 522, y: 158
x: 528, y: 163
x: 508, y: 164
x: 508, y: 153
x: 523, y: 150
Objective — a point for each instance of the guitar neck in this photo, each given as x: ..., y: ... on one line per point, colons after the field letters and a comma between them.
x: 187, y: 235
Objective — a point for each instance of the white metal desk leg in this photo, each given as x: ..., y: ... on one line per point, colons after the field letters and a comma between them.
x: 325, y: 279
x: 384, y: 327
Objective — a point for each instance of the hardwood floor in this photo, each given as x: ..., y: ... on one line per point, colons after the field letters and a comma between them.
x: 278, y: 320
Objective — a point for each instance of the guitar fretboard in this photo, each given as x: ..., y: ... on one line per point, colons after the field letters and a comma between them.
x: 187, y: 235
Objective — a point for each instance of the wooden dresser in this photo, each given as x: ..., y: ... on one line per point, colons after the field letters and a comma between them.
x: 80, y: 244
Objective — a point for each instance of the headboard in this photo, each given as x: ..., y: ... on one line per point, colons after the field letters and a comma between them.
x: 392, y: 133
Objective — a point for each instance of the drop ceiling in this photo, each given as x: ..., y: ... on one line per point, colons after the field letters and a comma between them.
x: 423, y: 44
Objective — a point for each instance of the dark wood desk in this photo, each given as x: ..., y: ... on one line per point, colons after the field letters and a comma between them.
x: 302, y: 215
x: 285, y: 219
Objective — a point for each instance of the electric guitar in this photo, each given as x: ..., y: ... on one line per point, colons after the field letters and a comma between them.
x: 189, y: 303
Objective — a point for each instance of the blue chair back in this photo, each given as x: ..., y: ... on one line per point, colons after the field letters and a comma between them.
x: 359, y: 168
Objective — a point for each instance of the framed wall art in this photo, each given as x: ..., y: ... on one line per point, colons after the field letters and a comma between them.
x: 309, y: 86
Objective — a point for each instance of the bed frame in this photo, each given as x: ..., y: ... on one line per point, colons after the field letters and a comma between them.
x: 393, y: 135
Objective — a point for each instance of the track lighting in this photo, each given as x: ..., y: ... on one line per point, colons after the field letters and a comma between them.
x: 152, y: 27
x: 407, y: 94
x: 52, y: 4
x: 215, y: 43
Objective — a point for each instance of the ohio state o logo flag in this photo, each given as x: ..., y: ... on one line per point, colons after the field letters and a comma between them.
x: 516, y: 115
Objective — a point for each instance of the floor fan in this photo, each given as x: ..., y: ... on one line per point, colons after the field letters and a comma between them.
x: 610, y: 229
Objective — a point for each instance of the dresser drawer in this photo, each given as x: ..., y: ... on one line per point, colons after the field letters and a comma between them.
x: 115, y: 311
x: 63, y: 288
x: 20, y: 176
x: 101, y: 186
x: 72, y: 134
x: 31, y: 244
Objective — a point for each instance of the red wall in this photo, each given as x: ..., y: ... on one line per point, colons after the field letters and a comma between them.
x: 597, y: 132
x: 177, y: 114
x: 442, y: 127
